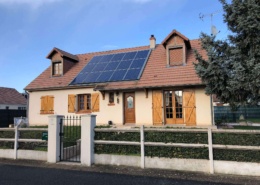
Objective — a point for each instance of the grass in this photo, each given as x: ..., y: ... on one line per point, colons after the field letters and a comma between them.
x: 246, y: 127
x: 254, y: 120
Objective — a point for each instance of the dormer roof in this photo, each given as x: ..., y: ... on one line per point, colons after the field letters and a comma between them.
x: 62, y: 54
x: 172, y: 34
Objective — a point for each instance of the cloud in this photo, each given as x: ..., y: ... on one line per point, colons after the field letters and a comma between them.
x: 31, y: 3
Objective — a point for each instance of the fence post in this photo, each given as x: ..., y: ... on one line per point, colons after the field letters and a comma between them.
x: 142, y: 146
x: 16, y: 137
x: 88, y: 123
x: 54, y: 138
x: 210, y: 148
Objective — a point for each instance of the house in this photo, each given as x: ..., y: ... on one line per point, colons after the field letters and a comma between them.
x: 154, y: 84
x: 11, y: 99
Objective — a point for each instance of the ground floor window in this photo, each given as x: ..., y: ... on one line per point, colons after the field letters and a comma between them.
x: 111, y: 98
x: 174, y: 107
x: 173, y: 104
x: 84, y: 102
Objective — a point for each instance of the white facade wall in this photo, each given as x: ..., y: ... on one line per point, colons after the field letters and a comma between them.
x: 114, y: 113
x: 203, y: 108
x: 106, y: 113
x: 143, y: 108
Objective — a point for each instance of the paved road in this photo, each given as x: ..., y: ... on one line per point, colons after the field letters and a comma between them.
x: 23, y: 172
x: 24, y: 175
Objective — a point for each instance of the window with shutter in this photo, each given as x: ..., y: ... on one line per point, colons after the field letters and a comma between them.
x: 47, y: 105
x: 176, y: 55
x: 84, y: 103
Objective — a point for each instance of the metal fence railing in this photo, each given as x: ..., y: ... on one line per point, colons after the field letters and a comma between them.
x: 247, y: 113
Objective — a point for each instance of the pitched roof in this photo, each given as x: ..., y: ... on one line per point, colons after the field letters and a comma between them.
x: 62, y: 53
x: 11, y: 96
x: 46, y: 81
x: 155, y: 74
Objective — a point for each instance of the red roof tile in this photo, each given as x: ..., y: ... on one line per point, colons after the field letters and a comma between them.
x: 155, y: 74
x: 11, y: 96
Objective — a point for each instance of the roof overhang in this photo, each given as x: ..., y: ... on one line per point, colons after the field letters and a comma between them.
x: 63, y: 54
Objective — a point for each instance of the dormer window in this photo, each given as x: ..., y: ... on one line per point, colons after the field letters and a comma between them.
x: 175, y: 55
x: 61, y: 62
x: 176, y: 47
x: 57, y: 68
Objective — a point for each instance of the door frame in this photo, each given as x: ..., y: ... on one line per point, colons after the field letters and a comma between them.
x: 174, y: 119
x: 124, y: 107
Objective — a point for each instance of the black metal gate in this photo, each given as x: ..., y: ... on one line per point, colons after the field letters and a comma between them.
x: 70, y: 136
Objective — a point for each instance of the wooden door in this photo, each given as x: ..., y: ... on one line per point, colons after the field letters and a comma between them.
x: 189, y: 108
x: 157, y: 108
x: 129, y: 107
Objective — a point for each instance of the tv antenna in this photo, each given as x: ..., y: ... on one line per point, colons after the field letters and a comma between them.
x: 214, y: 30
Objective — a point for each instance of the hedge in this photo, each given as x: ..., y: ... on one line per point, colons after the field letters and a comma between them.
x: 179, y: 152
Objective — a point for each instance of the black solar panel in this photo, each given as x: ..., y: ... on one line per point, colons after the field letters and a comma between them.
x: 113, y: 67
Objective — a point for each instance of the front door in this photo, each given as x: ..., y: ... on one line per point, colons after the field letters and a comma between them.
x: 129, y: 107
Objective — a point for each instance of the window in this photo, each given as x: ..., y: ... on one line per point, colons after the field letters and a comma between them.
x: 84, y: 102
x: 57, y: 68
x: 21, y: 108
x: 111, y: 98
x: 47, y: 105
x: 176, y: 56
x: 168, y: 104
x: 173, y: 104
x: 130, y: 102
x: 178, y: 104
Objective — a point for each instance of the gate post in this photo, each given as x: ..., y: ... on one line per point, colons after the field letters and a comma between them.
x: 88, y: 123
x: 54, y: 138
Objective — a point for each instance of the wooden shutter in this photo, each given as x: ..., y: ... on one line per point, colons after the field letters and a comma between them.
x: 43, y: 104
x: 47, y: 104
x: 176, y: 56
x: 71, y: 103
x: 189, y: 108
x: 157, y: 108
x: 95, y: 102
x: 50, y: 104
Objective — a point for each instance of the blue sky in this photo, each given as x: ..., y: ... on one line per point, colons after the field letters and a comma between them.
x: 31, y: 28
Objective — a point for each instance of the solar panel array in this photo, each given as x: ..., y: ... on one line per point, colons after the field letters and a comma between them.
x: 113, y: 67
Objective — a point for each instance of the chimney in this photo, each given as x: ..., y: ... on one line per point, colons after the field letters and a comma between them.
x: 152, y: 42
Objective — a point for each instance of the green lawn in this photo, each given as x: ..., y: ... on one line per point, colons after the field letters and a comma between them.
x: 246, y: 127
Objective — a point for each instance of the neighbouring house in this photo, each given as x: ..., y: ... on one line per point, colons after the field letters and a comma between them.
x: 11, y: 99
x: 154, y: 84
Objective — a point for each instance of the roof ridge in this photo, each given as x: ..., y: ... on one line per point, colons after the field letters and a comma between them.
x: 113, y: 50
